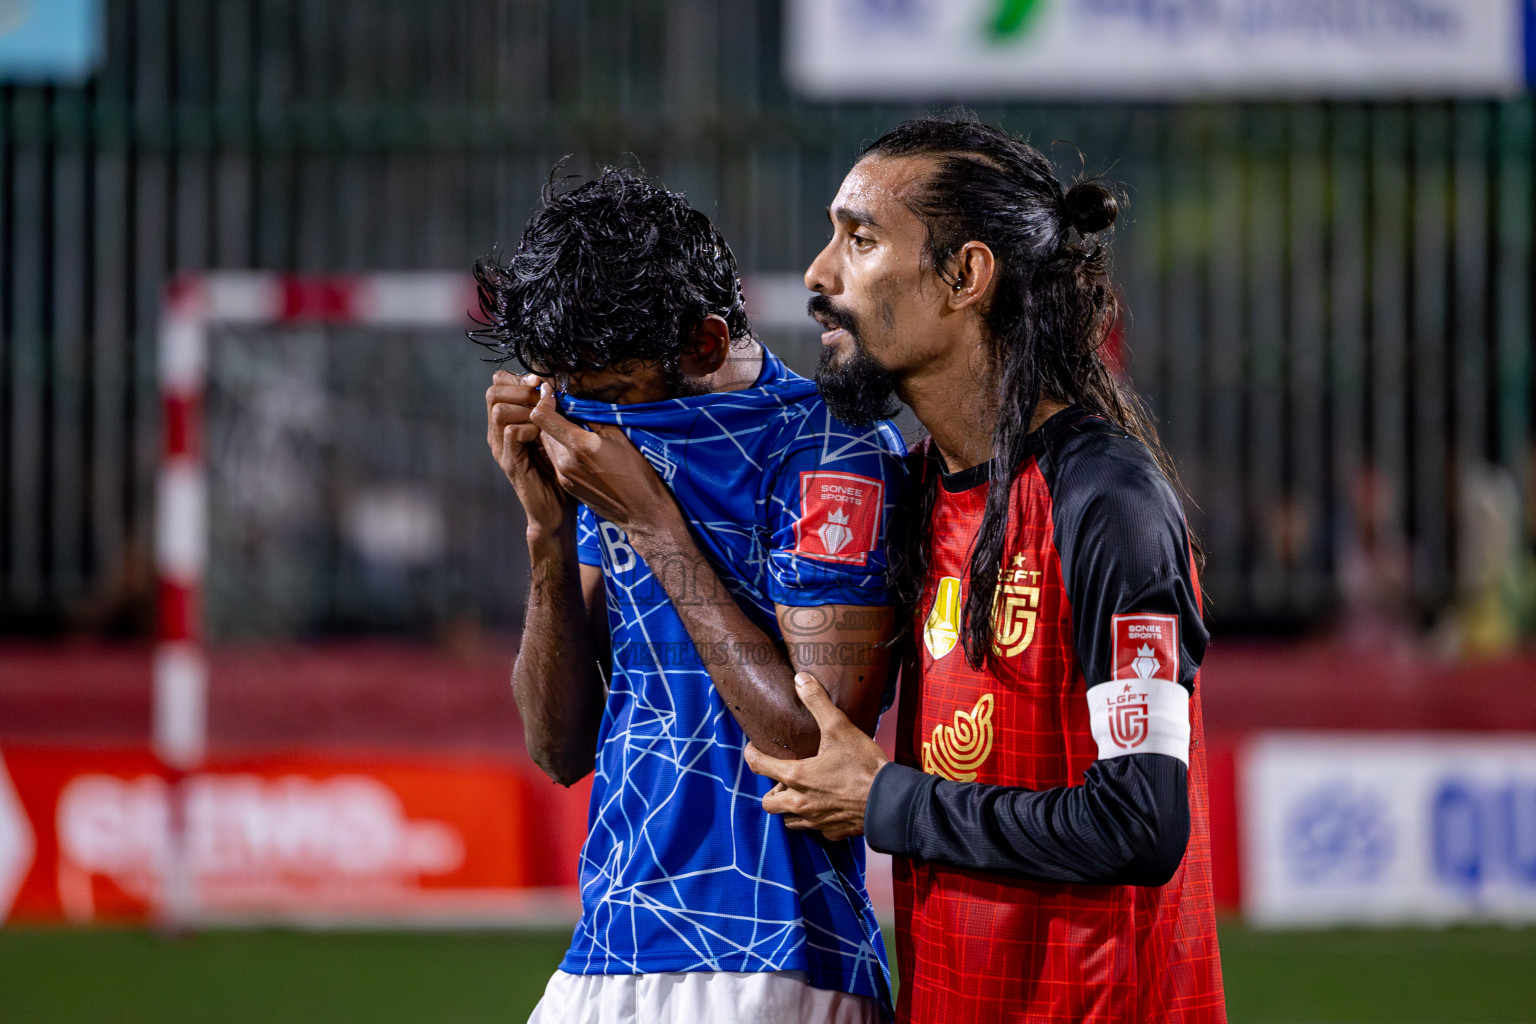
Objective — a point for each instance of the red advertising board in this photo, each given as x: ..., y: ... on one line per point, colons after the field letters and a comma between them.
x: 102, y: 835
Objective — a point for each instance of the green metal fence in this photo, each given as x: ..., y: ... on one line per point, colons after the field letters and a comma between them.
x: 1327, y: 300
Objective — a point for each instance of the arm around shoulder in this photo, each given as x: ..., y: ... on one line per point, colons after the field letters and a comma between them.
x: 1138, y: 638
x: 1128, y: 824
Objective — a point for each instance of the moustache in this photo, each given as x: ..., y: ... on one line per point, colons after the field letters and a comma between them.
x: 830, y: 315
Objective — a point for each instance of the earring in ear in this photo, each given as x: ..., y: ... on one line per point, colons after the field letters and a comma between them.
x: 958, y: 286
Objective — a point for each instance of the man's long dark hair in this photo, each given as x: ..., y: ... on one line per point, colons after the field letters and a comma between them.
x: 612, y: 269
x: 1049, y: 312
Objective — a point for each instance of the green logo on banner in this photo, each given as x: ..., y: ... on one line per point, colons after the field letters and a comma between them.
x: 1013, y: 19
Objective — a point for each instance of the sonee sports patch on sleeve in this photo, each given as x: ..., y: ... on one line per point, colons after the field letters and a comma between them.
x: 839, y: 516
x: 1142, y: 708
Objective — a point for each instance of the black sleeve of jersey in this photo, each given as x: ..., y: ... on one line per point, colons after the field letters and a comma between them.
x: 1119, y: 530
x: 1127, y: 824
x: 1120, y: 533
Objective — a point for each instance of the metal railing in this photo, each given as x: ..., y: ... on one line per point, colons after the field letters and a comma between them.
x: 1329, y: 303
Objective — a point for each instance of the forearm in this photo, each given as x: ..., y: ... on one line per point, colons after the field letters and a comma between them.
x: 751, y: 672
x: 1128, y: 824
x: 555, y: 678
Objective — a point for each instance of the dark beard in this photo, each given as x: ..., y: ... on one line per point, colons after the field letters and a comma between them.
x: 859, y: 391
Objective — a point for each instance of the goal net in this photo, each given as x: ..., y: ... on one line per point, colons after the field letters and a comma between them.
x: 325, y: 472
x: 350, y: 490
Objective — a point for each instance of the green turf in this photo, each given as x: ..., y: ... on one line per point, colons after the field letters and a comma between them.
x: 1455, y: 976
x: 270, y: 976
x: 1466, y: 976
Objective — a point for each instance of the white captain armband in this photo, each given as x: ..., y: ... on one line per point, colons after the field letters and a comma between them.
x: 1142, y: 708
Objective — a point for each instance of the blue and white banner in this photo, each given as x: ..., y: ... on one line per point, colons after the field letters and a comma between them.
x: 1381, y: 828
x: 917, y: 49
x: 50, y: 40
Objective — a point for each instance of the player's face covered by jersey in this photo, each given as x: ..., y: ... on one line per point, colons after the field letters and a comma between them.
x: 630, y: 382
x: 877, y: 298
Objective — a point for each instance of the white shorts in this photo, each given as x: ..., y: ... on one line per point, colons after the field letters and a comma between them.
x: 718, y: 997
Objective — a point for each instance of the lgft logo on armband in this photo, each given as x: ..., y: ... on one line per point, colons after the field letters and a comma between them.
x: 1142, y: 707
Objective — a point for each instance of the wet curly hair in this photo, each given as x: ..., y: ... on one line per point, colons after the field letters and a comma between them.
x: 614, y: 269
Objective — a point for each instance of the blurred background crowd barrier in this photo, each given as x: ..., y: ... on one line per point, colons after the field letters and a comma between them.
x: 1326, y: 260
x: 1328, y: 300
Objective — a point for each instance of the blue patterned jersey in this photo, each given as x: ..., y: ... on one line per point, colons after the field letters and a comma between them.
x: 682, y: 869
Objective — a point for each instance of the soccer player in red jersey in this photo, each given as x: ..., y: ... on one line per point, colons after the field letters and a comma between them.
x: 1047, y: 806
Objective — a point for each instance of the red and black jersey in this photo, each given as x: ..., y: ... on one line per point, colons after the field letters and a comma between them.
x: 1047, y: 811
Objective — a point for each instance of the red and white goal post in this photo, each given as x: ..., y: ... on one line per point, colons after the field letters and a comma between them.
x: 196, y: 304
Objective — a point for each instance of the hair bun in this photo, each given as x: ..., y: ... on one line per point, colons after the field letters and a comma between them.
x: 1090, y: 207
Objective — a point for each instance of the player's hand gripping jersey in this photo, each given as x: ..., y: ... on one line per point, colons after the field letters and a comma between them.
x: 1047, y: 796
x: 682, y: 870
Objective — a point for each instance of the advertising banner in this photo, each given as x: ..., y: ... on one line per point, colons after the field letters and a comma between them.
x: 925, y: 49
x: 1378, y: 828
x: 50, y: 40
x: 105, y: 835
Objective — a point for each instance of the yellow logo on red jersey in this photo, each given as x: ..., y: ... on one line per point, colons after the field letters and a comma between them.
x: 1015, y: 607
x: 956, y: 751
x: 942, y: 630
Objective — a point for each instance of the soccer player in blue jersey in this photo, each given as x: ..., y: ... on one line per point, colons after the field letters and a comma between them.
x: 700, y: 529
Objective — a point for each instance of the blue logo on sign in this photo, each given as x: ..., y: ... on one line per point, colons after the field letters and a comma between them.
x: 899, y: 9
x: 1163, y: 17
x: 1336, y: 834
x: 1530, y: 42
x: 903, y: 15
x: 1484, y: 832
